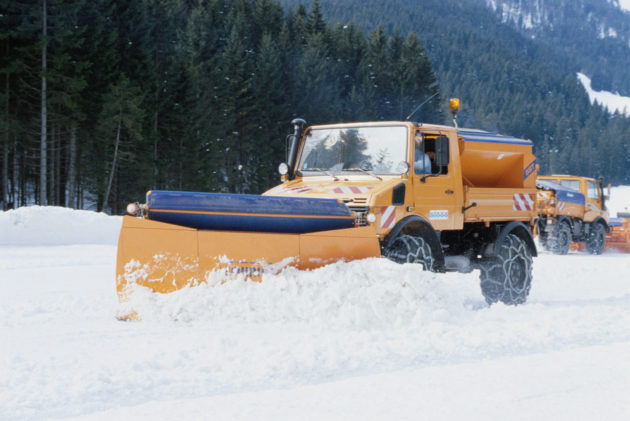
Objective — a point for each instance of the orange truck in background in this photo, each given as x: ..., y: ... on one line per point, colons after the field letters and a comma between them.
x: 448, y: 199
x: 571, y: 209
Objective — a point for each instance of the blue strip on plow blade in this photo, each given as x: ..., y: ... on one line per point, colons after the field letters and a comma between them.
x: 257, y: 213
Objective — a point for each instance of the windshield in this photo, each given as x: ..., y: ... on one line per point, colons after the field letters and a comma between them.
x: 571, y: 184
x: 378, y: 150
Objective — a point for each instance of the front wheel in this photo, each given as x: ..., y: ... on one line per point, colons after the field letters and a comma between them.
x: 560, y: 240
x: 507, y: 276
x: 411, y: 249
x: 596, y: 239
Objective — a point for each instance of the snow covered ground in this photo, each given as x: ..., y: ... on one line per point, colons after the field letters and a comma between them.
x: 609, y: 100
x: 367, y: 340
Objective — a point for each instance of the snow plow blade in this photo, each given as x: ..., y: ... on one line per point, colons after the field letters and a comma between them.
x: 619, y: 236
x: 191, y: 241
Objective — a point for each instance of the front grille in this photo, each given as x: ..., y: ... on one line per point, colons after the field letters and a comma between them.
x: 360, y: 214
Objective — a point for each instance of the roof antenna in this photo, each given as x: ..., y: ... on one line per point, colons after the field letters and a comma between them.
x: 418, y: 107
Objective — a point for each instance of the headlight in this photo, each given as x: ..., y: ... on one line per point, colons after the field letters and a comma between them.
x: 133, y: 208
x: 371, y: 218
x: 283, y: 169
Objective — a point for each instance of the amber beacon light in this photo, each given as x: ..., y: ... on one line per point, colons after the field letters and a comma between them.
x: 453, y: 104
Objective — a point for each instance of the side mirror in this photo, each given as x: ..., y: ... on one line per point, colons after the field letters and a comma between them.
x: 403, y: 167
x: 442, y: 157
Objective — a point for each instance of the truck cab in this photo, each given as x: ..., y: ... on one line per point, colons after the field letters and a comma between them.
x: 447, y: 198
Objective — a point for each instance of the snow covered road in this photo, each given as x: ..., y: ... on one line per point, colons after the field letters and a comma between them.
x: 360, y: 340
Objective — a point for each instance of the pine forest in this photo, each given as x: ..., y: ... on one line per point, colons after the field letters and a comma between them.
x: 102, y: 100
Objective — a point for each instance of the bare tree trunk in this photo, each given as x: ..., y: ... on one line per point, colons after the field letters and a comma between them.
x: 52, y: 147
x: 5, y: 174
x: 111, y: 173
x: 16, y: 176
x: 58, y: 201
x: 22, y: 184
x: 58, y: 170
x: 180, y: 160
x: 72, y: 168
x: 42, y: 157
x: 155, y: 148
x: 5, y: 150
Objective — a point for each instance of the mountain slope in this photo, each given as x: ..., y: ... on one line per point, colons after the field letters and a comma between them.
x: 594, y: 33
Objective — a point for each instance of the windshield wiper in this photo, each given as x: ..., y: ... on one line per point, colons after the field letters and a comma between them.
x: 324, y: 170
x: 363, y: 170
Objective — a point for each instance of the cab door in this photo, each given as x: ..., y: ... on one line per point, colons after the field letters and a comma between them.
x: 437, y: 188
x: 593, y: 201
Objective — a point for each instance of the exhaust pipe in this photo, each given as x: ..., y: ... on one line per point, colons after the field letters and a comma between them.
x: 298, y: 128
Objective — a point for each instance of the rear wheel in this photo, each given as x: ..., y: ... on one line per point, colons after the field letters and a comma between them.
x: 596, y: 239
x: 507, y: 276
x: 411, y: 249
x: 559, y: 241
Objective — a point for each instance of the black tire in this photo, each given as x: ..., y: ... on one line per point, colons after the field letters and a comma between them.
x: 507, y: 276
x: 559, y: 241
x: 596, y: 239
x: 411, y: 249
x: 543, y: 237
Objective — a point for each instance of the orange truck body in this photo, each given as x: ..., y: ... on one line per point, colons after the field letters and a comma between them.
x: 480, y: 189
x: 571, y: 209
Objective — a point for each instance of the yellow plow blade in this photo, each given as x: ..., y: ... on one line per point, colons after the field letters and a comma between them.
x: 165, y: 257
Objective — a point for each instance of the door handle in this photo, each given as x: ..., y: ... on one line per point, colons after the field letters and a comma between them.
x: 449, y: 192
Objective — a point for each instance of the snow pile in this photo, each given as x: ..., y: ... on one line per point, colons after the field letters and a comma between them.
x: 611, y: 101
x: 50, y: 225
x: 619, y: 200
x: 367, y: 294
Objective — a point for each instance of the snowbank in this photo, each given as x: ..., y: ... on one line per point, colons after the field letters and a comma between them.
x: 611, y: 101
x: 366, y: 294
x: 619, y: 200
x: 50, y: 225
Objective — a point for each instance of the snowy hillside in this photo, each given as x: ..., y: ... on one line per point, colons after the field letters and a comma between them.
x: 611, y: 101
x: 589, y: 36
x: 366, y: 340
x: 622, y: 4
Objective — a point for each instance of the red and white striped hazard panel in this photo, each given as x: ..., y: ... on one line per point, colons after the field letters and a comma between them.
x: 294, y: 190
x: 523, y: 202
x: 388, y: 216
x: 561, y: 206
x: 350, y: 190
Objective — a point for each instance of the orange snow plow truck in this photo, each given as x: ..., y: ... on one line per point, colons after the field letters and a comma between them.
x: 449, y: 199
x: 572, y: 209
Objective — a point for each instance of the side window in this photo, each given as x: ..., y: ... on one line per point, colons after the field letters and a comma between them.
x: 592, y: 190
x: 421, y: 160
x: 424, y: 155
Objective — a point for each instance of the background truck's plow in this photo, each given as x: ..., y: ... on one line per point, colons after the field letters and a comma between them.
x: 619, y: 236
x: 186, y: 238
